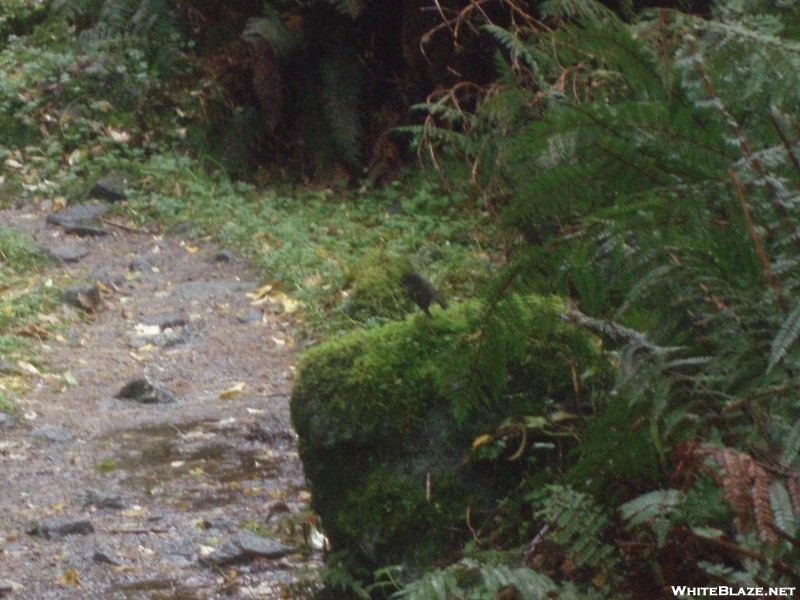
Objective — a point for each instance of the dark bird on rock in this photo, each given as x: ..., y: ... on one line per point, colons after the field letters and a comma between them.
x: 420, y: 291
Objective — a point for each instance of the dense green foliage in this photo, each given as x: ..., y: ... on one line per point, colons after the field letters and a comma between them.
x: 652, y: 171
x: 646, y: 171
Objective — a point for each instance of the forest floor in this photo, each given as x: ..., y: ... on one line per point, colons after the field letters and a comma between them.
x: 109, y: 497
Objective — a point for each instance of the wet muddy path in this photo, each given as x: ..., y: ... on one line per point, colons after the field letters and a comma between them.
x: 106, y: 497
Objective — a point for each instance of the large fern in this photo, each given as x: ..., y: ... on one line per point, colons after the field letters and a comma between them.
x: 653, y: 173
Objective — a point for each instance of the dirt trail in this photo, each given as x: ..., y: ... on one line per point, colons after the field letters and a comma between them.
x: 188, y: 476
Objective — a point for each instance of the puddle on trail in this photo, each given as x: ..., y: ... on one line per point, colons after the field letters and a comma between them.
x: 201, y: 465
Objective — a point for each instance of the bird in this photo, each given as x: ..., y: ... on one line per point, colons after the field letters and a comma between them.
x: 420, y: 291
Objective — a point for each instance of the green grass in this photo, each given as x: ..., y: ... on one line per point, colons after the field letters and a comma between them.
x: 17, y: 255
x: 7, y: 405
x: 25, y: 293
x: 339, y: 252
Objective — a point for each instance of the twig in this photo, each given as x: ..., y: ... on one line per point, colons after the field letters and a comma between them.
x: 751, y: 229
x: 147, y: 530
x: 730, y: 547
x: 469, y: 524
x: 125, y: 227
x: 755, y: 395
x: 787, y: 146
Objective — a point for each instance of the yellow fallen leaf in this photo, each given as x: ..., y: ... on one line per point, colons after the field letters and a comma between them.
x: 233, y: 391
x: 197, y: 471
x: 59, y: 507
x: 69, y: 577
x: 481, y: 440
x: 191, y: 249
x: 260, y: 292
x: 289, y: 305
x: 28, y: 367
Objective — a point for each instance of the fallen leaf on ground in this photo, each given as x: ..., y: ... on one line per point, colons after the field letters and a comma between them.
x: 233, y: 391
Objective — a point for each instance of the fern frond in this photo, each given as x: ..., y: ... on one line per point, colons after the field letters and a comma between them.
x: 659, y: 503
x: 791, y: 446
x: 515, y: 47
x: 781, y: 505
x: 786, y: 336
x: 570, y: 9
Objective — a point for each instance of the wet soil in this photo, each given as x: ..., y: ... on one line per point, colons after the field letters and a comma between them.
x: 163, y: 485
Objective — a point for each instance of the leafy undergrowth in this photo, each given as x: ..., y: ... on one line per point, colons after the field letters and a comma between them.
x: 27, y: 299
x: 339, y: 253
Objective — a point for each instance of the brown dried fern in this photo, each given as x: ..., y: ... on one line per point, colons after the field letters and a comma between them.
x: 793, y: 487
x: 762, y: 508
x: 745, y: 485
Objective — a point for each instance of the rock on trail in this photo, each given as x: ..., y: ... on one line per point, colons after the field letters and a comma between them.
x: 110, y: 495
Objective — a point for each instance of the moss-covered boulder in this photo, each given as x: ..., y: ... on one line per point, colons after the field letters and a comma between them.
x: 388, y: 417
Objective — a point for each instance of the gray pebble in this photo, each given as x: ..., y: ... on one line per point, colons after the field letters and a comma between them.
x: 53, y: 434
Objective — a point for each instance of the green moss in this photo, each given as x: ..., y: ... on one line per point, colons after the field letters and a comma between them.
x: 105, y: 466
x: 384, y: 434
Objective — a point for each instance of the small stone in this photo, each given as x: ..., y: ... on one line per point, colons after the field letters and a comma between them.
x: 78, y: 214
x: 7, y: 586
x: 53, y: 434
x: 166, y: 321
x: 85, y: 230
x: 145, y: 391
x: 67, y: 254
x: 96, y: 498
x: 108, y: 279
x: 167, y: 339
x: 112, y: 188
x: 6, y: 421
x: 145, y: 263
x: 221, y: 523
x: 104, y: 556
x: 86, y: 297
x: 246, y: 547
x: 249, y: 317
x: 225, y: 256
x: 52, y: 529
